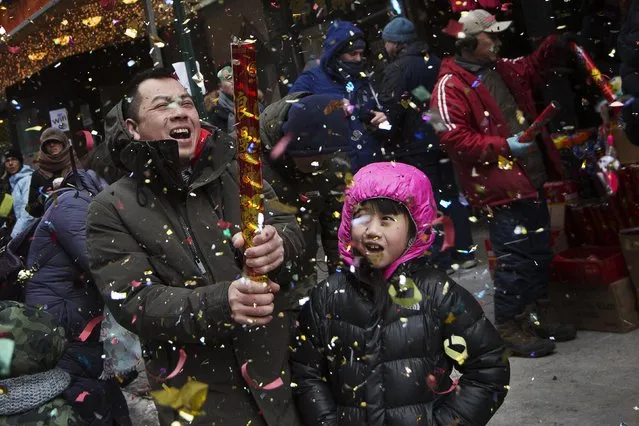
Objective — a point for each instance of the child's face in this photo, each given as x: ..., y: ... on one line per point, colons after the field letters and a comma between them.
x: 382, y: 238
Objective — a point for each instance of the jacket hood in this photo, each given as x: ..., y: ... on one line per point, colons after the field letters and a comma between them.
x: 399, y: 182
x: 337, y: 36
x: 80, y: 180
x: 39, y: 342
x: 115, y: 133
x: 24, y: 172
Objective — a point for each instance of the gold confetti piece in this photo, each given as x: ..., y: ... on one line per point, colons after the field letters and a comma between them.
x: 92, y: 21
x: 363, y: 404
x: 38, y: 56
x: 169, y: 232
x: 474, y: 173
x: 62, y: 41
x: 450, y: 318
x: 504, y: 163
x: 520, y: 117
x: 157, y: 41
x: 131, y: 32
x: 473, y: 219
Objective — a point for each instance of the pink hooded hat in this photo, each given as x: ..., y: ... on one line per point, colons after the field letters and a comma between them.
x: 399, y: 182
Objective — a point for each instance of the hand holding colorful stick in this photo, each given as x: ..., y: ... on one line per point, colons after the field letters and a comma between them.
x: 540, y: 122
x: 249, y: 149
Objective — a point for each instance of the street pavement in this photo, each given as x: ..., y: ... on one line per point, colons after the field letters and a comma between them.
x: 592, y: 380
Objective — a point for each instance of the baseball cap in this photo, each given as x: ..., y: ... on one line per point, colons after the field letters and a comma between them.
x: 478, y: 20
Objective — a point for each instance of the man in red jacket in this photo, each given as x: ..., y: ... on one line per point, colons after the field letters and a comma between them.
x: 485, y: 102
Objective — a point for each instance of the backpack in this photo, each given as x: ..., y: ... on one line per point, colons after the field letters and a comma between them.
x: 13, y: 258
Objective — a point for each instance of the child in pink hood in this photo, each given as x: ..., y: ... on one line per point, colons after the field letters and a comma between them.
x: 377, y: 342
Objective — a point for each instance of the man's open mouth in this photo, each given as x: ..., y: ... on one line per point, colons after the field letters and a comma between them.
x: 180, y: 133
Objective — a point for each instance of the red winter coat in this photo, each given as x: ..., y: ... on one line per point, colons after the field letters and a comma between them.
x: 476, y: 130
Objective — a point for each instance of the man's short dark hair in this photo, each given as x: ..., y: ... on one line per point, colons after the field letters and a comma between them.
x: 131, y: 101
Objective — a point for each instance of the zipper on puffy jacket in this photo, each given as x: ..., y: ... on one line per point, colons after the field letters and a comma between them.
x: 197, y: 256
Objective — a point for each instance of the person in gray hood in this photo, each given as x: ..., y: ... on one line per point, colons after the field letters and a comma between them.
x: 163, y: 255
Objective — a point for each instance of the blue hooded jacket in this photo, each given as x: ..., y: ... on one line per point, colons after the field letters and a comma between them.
x: 63, y: 287
x: 328, y: 79
x: 20, y: 184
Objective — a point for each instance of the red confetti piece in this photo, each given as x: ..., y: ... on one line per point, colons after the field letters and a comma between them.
x: 135, y: 283
x: 280, y: 147
x: 120, y: 205
x: 273, y: 385
x: 453, y: 28
x: 13, y: 49
x: 89, y: 328
x: 224, y: 225
x: 81, y: 397
x: 175, y: 372
x: 449, y: 231
x: 135, y: 318
x: 431, y: 382
x: 505, y: 7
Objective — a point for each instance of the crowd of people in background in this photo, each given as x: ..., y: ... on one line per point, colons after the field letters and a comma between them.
x: 137, y: 257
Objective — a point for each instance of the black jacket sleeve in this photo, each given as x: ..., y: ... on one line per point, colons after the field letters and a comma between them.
x: 390, y: 95
x: 35, y: 206
x: 485, y: 368
x: 308, y: 365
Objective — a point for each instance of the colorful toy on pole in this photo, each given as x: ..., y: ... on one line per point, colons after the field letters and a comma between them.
x: 540, y: 122
x: 249, y: 147
x: 608, y: 164
x: 594, y: 72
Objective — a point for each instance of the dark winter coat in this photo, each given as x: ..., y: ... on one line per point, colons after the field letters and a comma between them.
x: 475, y: 129
x: 359, y: 362
x: 327, y: 79
x: 628, y: 49
x: 63, y: 287
x: 143, y: 239
x: 414, y: 68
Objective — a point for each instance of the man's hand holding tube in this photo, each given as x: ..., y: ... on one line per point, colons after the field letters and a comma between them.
x: 251, y: 302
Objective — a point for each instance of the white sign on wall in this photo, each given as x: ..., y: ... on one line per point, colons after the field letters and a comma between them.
x: 60, y: 119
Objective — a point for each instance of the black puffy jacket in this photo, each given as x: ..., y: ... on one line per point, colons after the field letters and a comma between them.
x: 354, y: 368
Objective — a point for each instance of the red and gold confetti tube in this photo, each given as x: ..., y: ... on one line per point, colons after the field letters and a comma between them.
x: 249, y: 148
x: 594, y: 72
x: 544, y: 118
